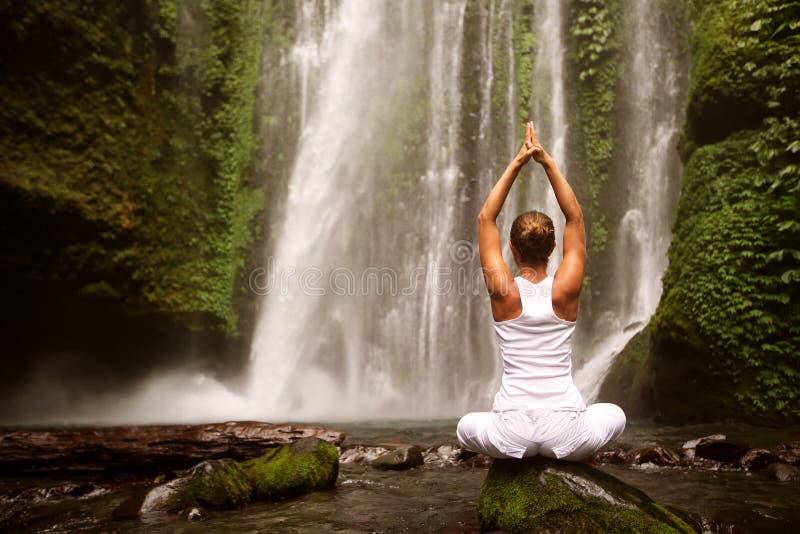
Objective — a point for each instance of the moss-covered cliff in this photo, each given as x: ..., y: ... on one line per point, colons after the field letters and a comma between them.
x: 128, y: 184
x: 135, y: 120
x: 725, y: 339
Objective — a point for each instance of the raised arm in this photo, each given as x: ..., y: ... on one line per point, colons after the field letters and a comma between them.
x: 506, y: 303
x: 568, y: 279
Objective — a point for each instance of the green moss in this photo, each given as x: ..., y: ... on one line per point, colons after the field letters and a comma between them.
x: 744, y: 66
x: 535, y: 495
x: 524, y: 40
x: 136, y: 118
x: 726, y: 285
x: 224, y: 488
x: 291, y: 471
x: 307, y: 465
x: 594, y: 49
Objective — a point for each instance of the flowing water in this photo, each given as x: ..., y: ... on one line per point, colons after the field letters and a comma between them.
x: 416, y: 341
x: 652, y: 114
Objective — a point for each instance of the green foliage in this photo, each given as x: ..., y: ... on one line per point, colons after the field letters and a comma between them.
x: 524, y: 40
x: 137, y: 119
x: 731, y: 267
x: 731, y: 287
x: 745, y: 65
x: 594, y: 26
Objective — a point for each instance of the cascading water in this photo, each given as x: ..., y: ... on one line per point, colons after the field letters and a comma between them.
x: 652, y: 172
x: 407, y: 354
x: 550, y: 111
x: 430, y: 351
x: 387, y: 347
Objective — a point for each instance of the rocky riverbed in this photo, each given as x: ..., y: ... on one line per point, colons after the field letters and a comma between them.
x: 412, y: 477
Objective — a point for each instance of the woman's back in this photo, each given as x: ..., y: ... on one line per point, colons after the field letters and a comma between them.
x: 537, y: 354
x: 538, y: 409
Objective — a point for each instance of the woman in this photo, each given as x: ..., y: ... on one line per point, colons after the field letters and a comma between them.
x: 538, y: 409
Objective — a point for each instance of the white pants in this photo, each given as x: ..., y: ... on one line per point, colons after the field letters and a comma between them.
x: 568, y: 435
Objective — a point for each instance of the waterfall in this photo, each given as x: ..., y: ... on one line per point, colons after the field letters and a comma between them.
x: 373, y: 301
x: 390, y: 344
x: 651, y: 169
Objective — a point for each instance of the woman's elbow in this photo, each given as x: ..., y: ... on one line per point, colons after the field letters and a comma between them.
x: 575, y: 216
x: 484, y: 217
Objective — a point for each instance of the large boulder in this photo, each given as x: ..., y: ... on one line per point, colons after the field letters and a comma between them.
x: 538, y: 494
x: 309, y: 464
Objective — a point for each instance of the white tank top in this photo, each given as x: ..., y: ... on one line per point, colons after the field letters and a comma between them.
x: 537, y: 354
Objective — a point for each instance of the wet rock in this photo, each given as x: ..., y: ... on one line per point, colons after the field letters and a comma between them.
x: 537, y: 494
x: 399, y: 459
x: 360, y: 453
x: 616, y: 456
x: 55, y: 493
x: 783, y: 472
x: 478, y: 461
x: 692, y: 443
x: 147, y: 448
x: 721, y: 450
x: 195, y: 514
x: 130, y: 507
x: 654, y: 455
x: 212, y: 483
x: 756, y: 459
x: 445, y: 454
x: 689, y: 448
x: 307, y: 465
x: 464, y: 454
x: 788, y: 453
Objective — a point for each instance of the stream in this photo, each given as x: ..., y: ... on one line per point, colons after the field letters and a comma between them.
x: 431, y: 498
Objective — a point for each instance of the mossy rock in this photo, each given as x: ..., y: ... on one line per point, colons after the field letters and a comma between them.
x: 537, y: 495
x: 214, y: 484
x: 309, y: 464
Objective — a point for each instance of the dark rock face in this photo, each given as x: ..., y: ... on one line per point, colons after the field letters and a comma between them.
x: 537, y: 494
x: 310, y: 464
x: 148, y: 449
x: 399, y: 459
x: 783, y: 472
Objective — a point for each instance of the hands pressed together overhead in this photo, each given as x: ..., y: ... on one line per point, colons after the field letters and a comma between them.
x: 531, y: 148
